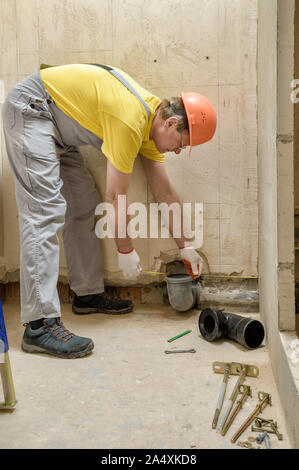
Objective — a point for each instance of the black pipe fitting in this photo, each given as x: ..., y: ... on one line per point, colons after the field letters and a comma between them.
x: 215, y: 324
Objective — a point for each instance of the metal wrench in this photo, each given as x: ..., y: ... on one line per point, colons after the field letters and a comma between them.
x: 180, y: 351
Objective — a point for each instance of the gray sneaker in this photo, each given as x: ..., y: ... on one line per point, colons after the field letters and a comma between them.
x: 53, y: 338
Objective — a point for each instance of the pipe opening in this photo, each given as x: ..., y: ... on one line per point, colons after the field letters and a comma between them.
x: 179, y: 279
x: 209, y: 324
x: 254, y: 334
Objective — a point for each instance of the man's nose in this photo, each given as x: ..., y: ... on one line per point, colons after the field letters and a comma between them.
x: 177, y: 151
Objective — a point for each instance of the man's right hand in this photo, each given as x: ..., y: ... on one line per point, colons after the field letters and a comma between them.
x: 129, y: 263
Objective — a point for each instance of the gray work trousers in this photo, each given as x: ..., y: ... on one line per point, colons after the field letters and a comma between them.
x: 54, y: 192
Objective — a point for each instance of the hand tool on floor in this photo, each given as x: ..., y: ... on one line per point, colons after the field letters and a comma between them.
x: 178, y: 336
x: 265, y: 399
x: 242, y: 370
x: 221, y: 395
x: 245, y: 391
x: 181, y: 351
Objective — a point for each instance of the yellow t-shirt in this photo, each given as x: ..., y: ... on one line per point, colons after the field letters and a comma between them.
x: 102, y: 104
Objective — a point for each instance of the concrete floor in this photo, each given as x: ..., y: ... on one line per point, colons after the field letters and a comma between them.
x: 129, y: 394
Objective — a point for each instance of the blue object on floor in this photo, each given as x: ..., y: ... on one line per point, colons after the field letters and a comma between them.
x: 3, y: 336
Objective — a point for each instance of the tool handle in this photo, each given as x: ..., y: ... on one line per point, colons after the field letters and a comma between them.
x: 7, y: 384
x: 178, y: 336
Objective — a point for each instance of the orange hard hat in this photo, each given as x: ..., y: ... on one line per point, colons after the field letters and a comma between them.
x: 201, y: 116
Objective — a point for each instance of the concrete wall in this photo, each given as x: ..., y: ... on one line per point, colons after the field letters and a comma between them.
x: 296, y: 153
x: 275, y: 67
x: 285, y: 166
x: 168, y: 46
x: 267, y: 165
x: 296, y: 110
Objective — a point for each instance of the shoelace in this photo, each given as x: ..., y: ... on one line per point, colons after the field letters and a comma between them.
x: 110, y: 299
x: 61, y: 332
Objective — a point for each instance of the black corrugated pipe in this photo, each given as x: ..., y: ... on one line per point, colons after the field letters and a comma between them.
x: 215, y: 324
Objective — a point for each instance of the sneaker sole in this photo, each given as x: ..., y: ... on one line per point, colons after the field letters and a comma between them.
x: 31, y: 348
x: 87, y: 310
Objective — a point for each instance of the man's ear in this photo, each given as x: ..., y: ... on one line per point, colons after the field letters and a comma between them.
x: 171, y: 121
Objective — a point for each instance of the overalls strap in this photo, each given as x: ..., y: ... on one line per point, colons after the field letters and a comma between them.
x: 126, y: 84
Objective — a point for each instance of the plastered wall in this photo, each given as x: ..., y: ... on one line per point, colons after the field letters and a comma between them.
x: 285, y: 165
x: 276, y: 197
x: 207, y: 46
x: 296, y: 146
x: 296, y: 109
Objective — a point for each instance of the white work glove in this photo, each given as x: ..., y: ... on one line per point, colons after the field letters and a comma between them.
x: 128, y: 263
x: 192, y: 260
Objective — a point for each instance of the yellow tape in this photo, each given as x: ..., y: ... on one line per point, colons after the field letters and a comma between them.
x: 152, y: 272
